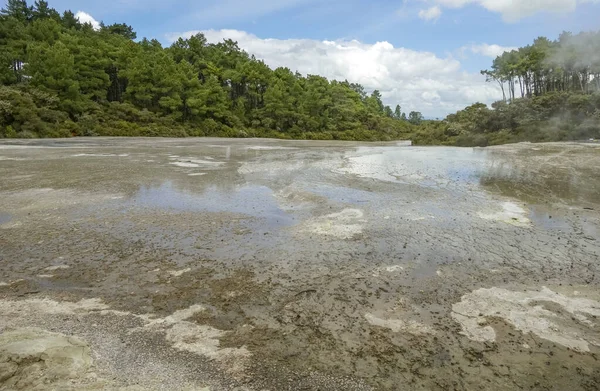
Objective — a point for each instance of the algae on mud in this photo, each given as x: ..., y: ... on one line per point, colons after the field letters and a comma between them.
x: 262, y: 264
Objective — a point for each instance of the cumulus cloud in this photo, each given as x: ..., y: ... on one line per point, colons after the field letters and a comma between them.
x: 432, y: 13
x: 513, y: 10
x: 491, y: 51
x: 417, y: 80
x: 87, y: 18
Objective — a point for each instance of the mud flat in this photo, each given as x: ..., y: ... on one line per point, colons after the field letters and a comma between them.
x: 212, y: 264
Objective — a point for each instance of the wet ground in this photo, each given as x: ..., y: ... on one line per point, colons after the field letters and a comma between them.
x: 212, y: 264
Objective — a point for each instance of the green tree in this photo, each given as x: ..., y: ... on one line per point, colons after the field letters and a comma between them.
x: 41, y: 10
x: 120, y: 29
x: 14, y: 41
x: 52, y: 69
x: 17, y: 9
x: 398, y: 112
x: 388, y: 112
x: 415, y: 117
x: 374, y: 103
x: 69, y: 20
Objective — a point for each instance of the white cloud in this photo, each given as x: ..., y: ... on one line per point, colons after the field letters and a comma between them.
x: 87, y: 18
x: 513, y: 10
x: 491, y: 51
x: 432, y: 13
x: 416, y: 80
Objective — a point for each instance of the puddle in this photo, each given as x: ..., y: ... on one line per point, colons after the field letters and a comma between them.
x: 256, y: 201
x: 537, y: 176
x: 194, y: 163
x: 100, y: 155
x: 552, y: 221
x: 425, y: 166
x: 343, y: 194
x: 531, y: 176
x: 5, y: 218
x: 269, y: 148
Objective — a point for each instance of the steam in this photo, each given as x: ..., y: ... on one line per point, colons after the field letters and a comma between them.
x: 577, y: 53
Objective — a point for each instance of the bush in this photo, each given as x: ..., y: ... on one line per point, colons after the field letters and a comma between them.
x: 472, y: 140
x: 9, y: 132
x: 318, y: 136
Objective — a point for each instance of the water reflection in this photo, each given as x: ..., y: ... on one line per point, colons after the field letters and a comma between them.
x: 532, y: 176
x: 5, y: 218
x: 550, y: 220
x: 256, y: 201
x: 426, y: 166
x: 534, y: 183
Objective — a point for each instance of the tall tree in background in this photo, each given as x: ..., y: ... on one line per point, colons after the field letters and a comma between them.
x: 398, y: 112
x: 98, y: 80
x: 570, y: 63
x: 388, y: 112
x: 120, y: 29
x: 415, y: 117
x: 17, y: 9
x: 374, y: 103
x: 41, y: 10
x: 52, y: 69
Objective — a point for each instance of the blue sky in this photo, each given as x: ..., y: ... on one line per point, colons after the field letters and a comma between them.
x: 422, y: 36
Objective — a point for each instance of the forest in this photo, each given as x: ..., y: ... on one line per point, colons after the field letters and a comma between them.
x: 550, y: 92
x: 62, y: 78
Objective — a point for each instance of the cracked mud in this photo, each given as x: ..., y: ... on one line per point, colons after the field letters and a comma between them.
x: 209, y: 264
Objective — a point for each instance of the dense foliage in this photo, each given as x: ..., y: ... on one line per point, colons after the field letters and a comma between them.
x: 555, y: 116
x: 572, y: 63
x: 551, y: 92
x: 62, y: 78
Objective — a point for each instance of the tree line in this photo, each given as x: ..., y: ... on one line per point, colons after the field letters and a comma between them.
x: 570, y: 63
x: 61, y: 77
x: 550, y: 92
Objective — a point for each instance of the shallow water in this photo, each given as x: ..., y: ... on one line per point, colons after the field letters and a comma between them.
x: 256, y: 201
x: 4, y: 218
x: 338, y: 261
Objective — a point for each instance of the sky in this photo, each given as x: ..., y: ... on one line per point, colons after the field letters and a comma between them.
x: 422, y: 54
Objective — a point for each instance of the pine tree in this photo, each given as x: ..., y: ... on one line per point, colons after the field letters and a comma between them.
x: 398, y: 112
x: 17, y: 9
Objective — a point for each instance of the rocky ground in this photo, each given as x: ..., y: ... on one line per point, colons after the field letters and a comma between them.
x: 211, y: 264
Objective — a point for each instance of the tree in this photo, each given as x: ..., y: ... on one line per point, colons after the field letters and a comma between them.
x: 120, y: 29
x: 374, y: 103
x: 398, y: 112
x: 17, y: 9
x: 316, y: 103
x: 74, y: 80
x: 359, y: 89
x: 279, y: 110
x: 52, y: 69
x: 193, y: 100
x: 41, y: 10
x: 388, y: 112
x: 14, y: 42
x: 347, y: 106
x: 70, y: 21
x: 415, y: 117
x: 152, y: 79
x: 90, y: 64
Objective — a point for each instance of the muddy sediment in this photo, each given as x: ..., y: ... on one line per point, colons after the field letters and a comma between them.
x: 260, y: 264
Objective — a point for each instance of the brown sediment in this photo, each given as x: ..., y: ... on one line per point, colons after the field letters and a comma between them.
x: 295, y: 265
